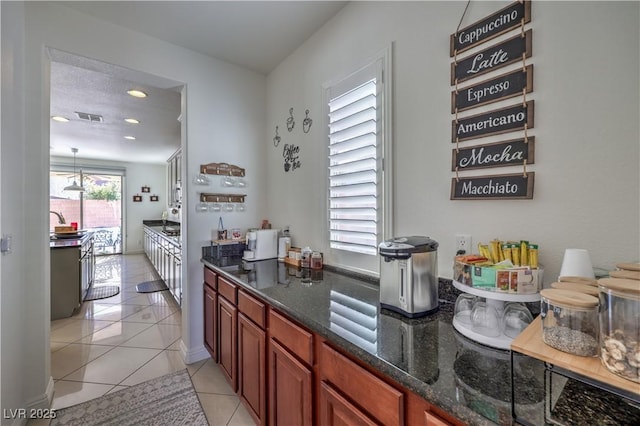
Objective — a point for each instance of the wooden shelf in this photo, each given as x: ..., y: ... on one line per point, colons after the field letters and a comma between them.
x: 530, y: 343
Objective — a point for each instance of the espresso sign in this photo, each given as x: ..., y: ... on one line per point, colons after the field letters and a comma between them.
x: 497, y: 187
x: 503, y: 120
x: 490, y: 27
x: 492, y: 58
x: 507, y: 153
x: 499, y: 88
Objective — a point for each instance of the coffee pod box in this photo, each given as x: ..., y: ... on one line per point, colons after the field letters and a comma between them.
x: 521, y: 280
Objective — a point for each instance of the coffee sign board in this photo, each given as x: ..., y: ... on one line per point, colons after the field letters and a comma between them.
x: 507, y: 153
x: 497, y: 187
x: 498, y: 88
x: 494, y: 122
x: 513, y: 15
x: 492, y: 58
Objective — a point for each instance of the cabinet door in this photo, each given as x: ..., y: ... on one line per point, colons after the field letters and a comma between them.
x: 335, y: 410
x: 251, y: 368
x: 210, y: 321
x: 290, y: 388
x: 227, y: 340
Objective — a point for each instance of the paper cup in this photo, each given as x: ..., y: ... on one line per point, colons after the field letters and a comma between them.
x: 576, y: 263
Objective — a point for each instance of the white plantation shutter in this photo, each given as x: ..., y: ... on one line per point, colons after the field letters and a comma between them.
x: 355, y: 164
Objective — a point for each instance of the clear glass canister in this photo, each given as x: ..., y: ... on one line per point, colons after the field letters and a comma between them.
x: 570, y: 321
x: 620, y: 326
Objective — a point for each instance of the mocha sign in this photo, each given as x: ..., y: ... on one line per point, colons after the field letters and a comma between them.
x: 503, y: 120
x: 492, y: 26
x: 499, y: 88
x: 497, y: 187
x: 507, y: 153
x: 492, y: 58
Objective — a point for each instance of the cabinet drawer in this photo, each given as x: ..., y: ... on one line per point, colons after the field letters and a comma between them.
x: 228, y: 290
x: 291, y: 336
x: 382, y: 401
x: 253, y: 309
x: 210, y: 278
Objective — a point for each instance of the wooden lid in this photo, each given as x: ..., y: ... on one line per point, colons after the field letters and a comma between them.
x: 620, y: 284
x: 628, y: 266
x: 582, y: 288
x: 629, y: 275
x: 581, y: 280
x: 569, y: 297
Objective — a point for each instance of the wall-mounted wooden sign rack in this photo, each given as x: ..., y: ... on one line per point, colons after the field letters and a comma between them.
x: 221, y: 198
x: 221, y: 169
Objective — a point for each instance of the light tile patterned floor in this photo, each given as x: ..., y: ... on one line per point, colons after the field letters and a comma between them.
x: 128, y: 339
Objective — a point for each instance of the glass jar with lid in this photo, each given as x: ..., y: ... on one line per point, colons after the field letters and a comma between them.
x: 620, y: 326
x: 570, y: 321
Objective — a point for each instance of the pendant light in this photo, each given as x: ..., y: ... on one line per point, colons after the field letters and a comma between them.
x: 74, y: 186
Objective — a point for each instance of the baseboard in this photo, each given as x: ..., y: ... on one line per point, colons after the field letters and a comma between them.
x: 189, y: 356
x: 41, y: 403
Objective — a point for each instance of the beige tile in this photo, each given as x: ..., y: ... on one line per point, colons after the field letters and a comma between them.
x: 77, y: 329
x: 117, y: 388
x: 56, y: 346
x: 150, y: 314
x: 209, y: 379
x: 241, y: 417
x: 89, y: 309
x: 67, y: 393
x: 114, y: 366
x: 74, y: 356
x: 138, y: 299
x: 157, y: 336
x: 174, y: 318
x: 117, y: 312
x: 117, y: 333
x: 164, y: 363
x: 59, y: 323
x: 218, y: 408
x: 195, y: 366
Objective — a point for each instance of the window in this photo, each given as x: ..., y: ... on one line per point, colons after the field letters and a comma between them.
x: 356, y: 179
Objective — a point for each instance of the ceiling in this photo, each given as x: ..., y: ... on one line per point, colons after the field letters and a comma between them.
x: 257, y: 35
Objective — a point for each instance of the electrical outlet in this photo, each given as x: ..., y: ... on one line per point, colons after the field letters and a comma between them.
x: 463, y: 242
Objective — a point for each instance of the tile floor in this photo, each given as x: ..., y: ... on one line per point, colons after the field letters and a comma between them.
x: 127, y: 339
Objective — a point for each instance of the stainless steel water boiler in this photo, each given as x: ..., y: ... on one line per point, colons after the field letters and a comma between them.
x: 409, y: 275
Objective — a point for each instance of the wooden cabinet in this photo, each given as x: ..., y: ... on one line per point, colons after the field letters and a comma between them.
x: 228, y: 340
x: 211, y: 313
x: 290, y: 372
x: 252, y: 353
x: 336, y: 410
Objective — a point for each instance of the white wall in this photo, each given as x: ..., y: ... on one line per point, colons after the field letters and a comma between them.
x: 585, y: 56
x: 137, y: 175
x: 224, y: 123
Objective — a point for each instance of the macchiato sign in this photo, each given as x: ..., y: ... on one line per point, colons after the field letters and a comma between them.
x: 515, y: 14
x: 497, y: 187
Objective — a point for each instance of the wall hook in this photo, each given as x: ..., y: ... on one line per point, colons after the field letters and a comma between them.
x: 307, y: 122
x: 290, y: 121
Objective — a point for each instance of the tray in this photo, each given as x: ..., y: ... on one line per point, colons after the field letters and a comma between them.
x: 69, y: 234
x: 530, y: 343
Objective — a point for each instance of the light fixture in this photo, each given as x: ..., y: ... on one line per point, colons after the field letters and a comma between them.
x: 132, y: 121
x: 74, y: 186
x: 137, y: 93
x: 60, y: 119
x: 131, y: 138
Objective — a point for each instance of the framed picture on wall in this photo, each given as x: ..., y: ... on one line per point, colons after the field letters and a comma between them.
x: 137, y: 198
x: 146, y: 189
x: 153, y: 198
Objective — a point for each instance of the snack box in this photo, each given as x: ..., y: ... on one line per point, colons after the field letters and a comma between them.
x: 513, y: 280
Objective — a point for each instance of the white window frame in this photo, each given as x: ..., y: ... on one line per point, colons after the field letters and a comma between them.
x: 381, y: 66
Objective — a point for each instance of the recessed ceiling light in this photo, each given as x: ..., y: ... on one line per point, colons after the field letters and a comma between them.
x: 59, y: 119
x: 131, y: 138
x: 137, y: 93
x: 132, y: 121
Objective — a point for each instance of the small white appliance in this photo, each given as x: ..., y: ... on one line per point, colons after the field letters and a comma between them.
x: 261, y: 244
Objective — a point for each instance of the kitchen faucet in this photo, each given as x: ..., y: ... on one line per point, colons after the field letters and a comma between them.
x: 61, y: 220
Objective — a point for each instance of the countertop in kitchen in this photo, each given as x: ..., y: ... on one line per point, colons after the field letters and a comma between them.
x: 427, y: 356
x: 70, y: 242
x: 158, y: 227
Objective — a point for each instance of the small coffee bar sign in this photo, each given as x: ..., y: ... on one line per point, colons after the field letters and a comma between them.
x: 507, y: 153
x: 498, y: 187
x: 493, y: 122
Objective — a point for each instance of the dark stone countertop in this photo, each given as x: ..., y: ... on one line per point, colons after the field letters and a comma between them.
x: 157, y: 226
x: 427, y: 356
x: 57, y: 243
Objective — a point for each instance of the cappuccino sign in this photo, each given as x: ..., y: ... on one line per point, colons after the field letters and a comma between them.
x: 515, y: 14
x: 492, y: 58
x: 494, y: 122
x: 515, y: 186
x: 507, y: 153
